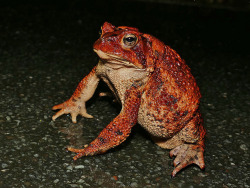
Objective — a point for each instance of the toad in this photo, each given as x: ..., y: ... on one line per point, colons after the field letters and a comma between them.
x: 155, y: 88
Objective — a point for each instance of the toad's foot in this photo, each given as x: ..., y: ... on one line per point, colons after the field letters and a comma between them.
x: 72, y: 107
x: 80, y: 152
x: 187, y: 154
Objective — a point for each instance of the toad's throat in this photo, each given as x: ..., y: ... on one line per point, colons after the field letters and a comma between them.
x: 114, y: 60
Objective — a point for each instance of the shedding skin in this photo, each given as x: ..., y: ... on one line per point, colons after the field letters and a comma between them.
x: 155, y: 88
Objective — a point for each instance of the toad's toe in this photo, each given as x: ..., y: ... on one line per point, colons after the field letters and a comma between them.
x: 187, y: 154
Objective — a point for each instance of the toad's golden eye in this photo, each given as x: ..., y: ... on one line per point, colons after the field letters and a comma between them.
x: 129, y: 40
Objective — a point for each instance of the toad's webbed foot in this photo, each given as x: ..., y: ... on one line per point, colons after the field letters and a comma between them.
x: 187, y: 154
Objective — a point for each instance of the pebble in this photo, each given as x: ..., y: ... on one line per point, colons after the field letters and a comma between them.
x: 56, y: 180
x: 243, y: 147
x: 8, y: 118
x: 134, y: 184
x: 69, y: 167
x: 79, y: 167
x: 4, y: 165
x: 160, y: 152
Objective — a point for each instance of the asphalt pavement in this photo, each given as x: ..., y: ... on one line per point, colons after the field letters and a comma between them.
x: 46, y: 49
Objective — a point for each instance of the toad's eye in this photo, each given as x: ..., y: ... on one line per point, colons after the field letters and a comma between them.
x: 129, y: 40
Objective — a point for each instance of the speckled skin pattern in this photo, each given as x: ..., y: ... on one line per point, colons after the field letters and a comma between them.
x: 155, y: 88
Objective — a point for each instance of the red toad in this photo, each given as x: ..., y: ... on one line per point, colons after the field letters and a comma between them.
x: 155, y: 88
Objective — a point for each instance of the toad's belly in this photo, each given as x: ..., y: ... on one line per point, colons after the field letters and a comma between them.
x: 154, y: 127
x: 160, y: 121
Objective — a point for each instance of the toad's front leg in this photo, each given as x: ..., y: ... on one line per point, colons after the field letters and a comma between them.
x: 118, y: 130
x: 76, y: 104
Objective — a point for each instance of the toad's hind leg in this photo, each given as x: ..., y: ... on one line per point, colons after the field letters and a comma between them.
x: 187, y: 145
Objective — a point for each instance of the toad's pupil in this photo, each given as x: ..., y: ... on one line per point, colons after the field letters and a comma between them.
x: 130, y: 39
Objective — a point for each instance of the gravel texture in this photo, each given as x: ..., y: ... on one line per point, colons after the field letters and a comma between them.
x: 46, y: 49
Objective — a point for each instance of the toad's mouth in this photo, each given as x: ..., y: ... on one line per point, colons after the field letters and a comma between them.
x: 114, y: 60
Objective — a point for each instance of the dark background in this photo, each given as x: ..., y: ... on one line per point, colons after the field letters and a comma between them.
x: 46, y: 49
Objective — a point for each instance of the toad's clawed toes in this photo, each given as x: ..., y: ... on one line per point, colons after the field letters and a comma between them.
x: 187, y: 154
